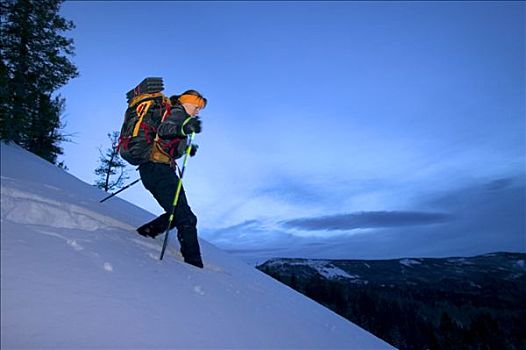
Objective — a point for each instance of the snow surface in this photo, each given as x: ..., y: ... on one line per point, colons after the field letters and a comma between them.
x: 410, y: 262
x: 330, y: 271
x: 74, y: 274
x: 324, y: 267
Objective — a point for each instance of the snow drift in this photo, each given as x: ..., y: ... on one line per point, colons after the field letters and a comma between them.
x: 74, y: 274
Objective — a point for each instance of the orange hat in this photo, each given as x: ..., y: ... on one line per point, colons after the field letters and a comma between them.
x: 196, y: 100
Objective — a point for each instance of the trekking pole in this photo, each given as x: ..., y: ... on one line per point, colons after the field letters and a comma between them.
x: 119, y: 191
x: 177, y: 192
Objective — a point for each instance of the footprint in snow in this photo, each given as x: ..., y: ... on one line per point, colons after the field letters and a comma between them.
x: 73, y: 243
x: 199, y: 290
x: 108, y: 267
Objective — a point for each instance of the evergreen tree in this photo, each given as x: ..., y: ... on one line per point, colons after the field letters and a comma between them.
x: 111, y: 164
x: 34, y: 64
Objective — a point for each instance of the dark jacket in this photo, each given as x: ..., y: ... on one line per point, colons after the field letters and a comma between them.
x: 171, y: 142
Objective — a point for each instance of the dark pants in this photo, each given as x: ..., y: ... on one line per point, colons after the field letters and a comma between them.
x: 161, y: 180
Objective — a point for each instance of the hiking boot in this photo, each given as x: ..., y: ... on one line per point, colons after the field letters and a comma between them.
x: 148, y: 231
x: 197, y: 262
x: 155, y: 227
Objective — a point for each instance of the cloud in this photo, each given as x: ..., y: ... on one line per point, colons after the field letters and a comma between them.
x: 373, y: 219
x: 234, y: 231
x: 477, y: 217
x: 249, y: 235
x: 294, y: 190
x: 500, y: 184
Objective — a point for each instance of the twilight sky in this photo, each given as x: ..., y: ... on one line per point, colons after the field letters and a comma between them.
x: 334, y: 129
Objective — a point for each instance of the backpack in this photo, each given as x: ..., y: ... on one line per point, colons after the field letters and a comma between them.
x: 147, y: 108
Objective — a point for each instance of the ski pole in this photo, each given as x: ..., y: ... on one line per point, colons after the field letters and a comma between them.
x: 177, y: 192
x: 119, y: 191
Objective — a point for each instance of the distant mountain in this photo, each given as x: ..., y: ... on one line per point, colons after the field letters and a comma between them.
x: 421, y: 303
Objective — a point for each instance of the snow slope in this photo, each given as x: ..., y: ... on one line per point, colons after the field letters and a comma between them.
x: 74, y: 274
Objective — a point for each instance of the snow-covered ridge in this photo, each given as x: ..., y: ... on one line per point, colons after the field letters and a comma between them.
x: 410, y: 262
x: 405, y: 271
x: 324, y: 267
x: 330, y: 271
x: 27, y: 207
x: 76, y: 275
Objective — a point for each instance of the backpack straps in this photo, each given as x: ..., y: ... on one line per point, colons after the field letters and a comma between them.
x: 142, y: 104
x: 158, y: 153
x: 141, y: 110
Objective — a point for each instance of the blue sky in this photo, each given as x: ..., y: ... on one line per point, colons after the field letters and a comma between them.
x: 334, y: 129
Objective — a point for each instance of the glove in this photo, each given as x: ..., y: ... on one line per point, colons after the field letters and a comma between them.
x: 193, y: 149
x: 192, y: 125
